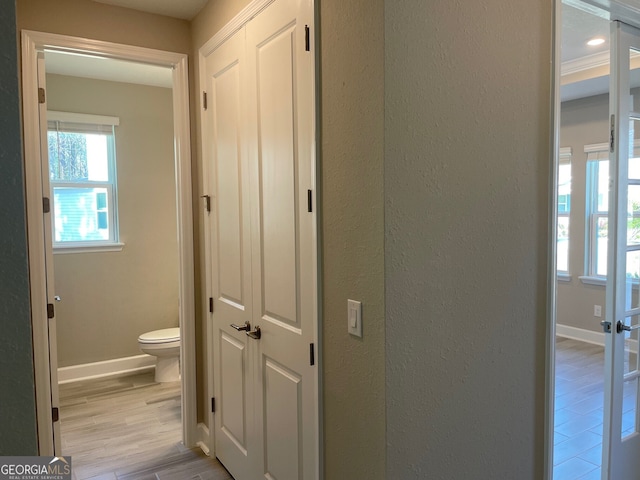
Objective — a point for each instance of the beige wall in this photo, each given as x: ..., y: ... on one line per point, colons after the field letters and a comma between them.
x: 88, y: 19
x: 351, y: 154
x: 351, y: 163
x: 110, y: 298
x: 467, y: 162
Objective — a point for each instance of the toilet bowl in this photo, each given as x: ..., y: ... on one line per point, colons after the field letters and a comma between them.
x: 165, y: 346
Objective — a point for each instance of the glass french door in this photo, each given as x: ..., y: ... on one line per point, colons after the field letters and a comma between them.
x: 621, y: 422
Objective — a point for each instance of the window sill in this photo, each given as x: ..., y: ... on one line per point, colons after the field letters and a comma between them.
x: 564, y: 277
x: 599, y: 281
x: 88, y: 248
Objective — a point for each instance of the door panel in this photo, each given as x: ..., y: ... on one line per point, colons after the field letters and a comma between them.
x: 278, y: 182
x: 233, y: 421
x: 621, y: 427
x: 230, y: 254
x: 228, y: 201
x: 48, y: 248
x: 284, y: 258
x: 282, y: 421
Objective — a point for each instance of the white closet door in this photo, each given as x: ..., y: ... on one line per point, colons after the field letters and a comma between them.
x: 230, y: 243
x: 280, y: 72
x: 258, y: 141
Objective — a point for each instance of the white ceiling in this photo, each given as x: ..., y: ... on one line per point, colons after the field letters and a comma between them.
x: 87, y: 66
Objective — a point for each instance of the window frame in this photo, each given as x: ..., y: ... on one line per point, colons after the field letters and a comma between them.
x: 596, y: 153
x: 88, y: 122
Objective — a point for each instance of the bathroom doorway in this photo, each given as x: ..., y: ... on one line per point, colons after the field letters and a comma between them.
x: 128, y: 268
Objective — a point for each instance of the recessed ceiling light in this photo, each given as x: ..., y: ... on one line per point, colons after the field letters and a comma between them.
x: 595, y: 41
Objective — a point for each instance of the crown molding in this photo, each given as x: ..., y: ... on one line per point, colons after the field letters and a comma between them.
x: 584, y: 63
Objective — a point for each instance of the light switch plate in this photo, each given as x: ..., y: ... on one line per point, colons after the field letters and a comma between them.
x: 354, y: 318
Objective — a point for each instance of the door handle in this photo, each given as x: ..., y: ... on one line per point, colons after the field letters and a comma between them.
x: 620, y: 327
x: 255, y: 334
x: 242, y: 328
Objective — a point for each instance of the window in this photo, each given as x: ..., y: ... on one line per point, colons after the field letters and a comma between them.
x: 598, y: 208
x: 564, y: 208
x: 82, y: 173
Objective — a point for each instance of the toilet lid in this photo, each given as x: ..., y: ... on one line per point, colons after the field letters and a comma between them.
x: 161, y: 336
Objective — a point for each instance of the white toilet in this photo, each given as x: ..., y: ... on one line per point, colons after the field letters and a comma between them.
x: 165, y: 345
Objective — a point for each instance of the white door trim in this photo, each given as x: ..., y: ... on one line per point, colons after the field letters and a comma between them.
x: 31, y: 43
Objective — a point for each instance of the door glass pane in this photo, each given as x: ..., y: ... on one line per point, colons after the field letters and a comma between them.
x: 630, y: 408
x: 633, y: 215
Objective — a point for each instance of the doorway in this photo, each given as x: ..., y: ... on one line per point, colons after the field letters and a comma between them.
x: 39, y: 222
x: 595, y: 363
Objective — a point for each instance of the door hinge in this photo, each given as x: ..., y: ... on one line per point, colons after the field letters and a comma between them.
x: 612, y: 137
x: 309, y: 201
x: 312, y: 355
x: 207, y: 199
x: 50, y: 311
x: 46, y: 205
x: 41, y: 95
x: 307, y: 38
x: 211, y: 304
x: 55, y: 414
x: 204, y: 100
x: 213, y: 405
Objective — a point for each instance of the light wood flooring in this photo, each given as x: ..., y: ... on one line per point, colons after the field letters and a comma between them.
x: 129, y: 428
x: 579, y: 402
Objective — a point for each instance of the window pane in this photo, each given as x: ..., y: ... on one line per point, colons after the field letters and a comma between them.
x: 601, y: 245
x: 77, y: 217
x: 603, y: 186
x: 634, y: 168
x: 78, y: 156
x: 563, y: 244
x: 564, y: 188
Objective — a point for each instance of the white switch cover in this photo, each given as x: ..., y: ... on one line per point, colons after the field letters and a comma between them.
x: 597, y: 310
x: 354, y: 318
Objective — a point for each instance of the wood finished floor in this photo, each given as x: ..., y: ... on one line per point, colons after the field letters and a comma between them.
x: 129, y: 428
x: 578, y: 410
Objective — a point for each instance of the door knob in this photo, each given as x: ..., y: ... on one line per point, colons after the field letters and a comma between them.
x: 242, y: 328
x: 255, y: 334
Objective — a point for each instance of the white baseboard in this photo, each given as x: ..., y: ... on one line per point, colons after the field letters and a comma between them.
x: 203, y: 439
x: 107, y: 368
x: 589, y: 336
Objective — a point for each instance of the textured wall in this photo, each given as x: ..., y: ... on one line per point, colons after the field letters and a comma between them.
x: 351, y: 163
x: 17, y: 400
x: 467, y: 141
x: 110, y: 298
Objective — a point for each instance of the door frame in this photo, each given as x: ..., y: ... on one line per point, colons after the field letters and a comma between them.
x: 32, y: 42
x: 252, y: 9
